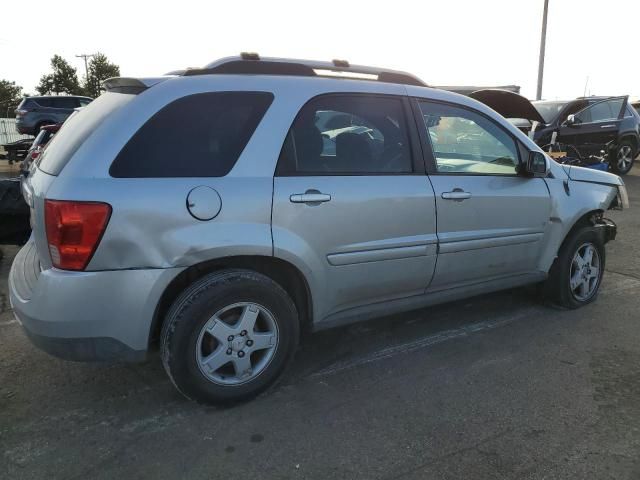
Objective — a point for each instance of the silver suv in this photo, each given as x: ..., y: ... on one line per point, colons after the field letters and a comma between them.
x: 225, y: 210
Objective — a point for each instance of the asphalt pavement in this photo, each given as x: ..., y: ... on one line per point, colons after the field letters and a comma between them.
x: 494, y: 387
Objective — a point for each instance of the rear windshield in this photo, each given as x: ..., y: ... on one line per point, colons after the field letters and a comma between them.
x: 77, y: 128
x: 24, y: 104
x: 199, y: 135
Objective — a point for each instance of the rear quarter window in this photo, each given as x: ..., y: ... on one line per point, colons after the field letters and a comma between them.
x: 200, y: 135
x: 77, y: 128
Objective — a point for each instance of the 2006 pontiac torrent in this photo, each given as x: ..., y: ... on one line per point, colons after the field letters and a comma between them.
x: 224, y: 210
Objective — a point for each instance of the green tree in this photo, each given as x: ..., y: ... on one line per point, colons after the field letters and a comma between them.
x: 10, y: 97
x: 100, y: 68
x: 62, y: 79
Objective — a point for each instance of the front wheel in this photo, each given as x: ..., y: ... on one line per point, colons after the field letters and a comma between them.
x: 229, y: 336
x: 623, y: 157
x: 576, y: 274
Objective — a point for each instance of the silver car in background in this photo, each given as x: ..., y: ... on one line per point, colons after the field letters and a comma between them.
x: 227, y: 209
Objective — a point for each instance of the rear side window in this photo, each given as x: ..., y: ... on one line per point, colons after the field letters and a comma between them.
x: 199, y: 135
x: 348, y: 135
x: 44, y: 102
x: 65, y: 102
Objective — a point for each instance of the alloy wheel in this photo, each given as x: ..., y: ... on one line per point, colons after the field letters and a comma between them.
x: 584, y: 274
x: 237, y: 344
x: 625, y: 153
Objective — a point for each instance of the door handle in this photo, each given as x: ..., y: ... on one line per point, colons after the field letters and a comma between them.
x: 310, y: 197
x: 607, y: 126
x: 457, y: 194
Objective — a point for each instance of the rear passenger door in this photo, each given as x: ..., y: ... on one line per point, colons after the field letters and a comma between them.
x: 352, y: 201
x: 490, y: 220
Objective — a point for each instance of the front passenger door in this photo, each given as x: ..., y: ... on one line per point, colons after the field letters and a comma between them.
x: 490, y: 219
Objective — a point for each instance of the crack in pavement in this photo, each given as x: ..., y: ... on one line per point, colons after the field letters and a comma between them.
x: 439, y: 458
x: 424, y: 342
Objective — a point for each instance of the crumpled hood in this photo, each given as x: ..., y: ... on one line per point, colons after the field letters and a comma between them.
x: 581, y: 174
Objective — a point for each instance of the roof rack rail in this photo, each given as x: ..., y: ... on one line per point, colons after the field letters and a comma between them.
x: 252, y: 63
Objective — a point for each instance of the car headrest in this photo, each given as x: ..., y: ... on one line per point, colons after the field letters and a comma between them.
x: 353, y: 152
x: 309, y: 145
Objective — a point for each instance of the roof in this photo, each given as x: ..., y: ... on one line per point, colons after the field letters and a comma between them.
x: 252, y: 63
x: 58, y: 96
x: 468, y: 89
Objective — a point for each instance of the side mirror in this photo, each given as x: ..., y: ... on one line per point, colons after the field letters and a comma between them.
x: 572, y: 121
x: 537, y: 165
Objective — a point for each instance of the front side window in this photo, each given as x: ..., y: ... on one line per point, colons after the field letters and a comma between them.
x: 601, y: 111
x: 198, y: 135
x: 348, y: 134
x: 463, y: 141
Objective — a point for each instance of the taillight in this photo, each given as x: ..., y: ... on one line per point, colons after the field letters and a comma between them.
x: 35, y: 154
x: 74, y: 230
x: 20, y: 113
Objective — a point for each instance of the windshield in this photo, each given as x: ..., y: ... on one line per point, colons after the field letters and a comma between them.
x: 549, y: 110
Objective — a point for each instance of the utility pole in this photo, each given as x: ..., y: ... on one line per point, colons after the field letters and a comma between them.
x: 90, y: 55
x: 543, y: 40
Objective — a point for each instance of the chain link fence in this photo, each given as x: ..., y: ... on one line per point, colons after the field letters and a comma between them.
x: 8, y: 132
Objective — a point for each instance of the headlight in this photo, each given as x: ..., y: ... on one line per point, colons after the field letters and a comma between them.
x: 622, y: 199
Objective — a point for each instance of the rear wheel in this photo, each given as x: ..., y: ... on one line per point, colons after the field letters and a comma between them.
x: 624, y: 156
x: 575, y: 276
x: 229, y: 336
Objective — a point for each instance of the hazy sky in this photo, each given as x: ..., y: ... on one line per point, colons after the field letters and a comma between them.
x: 448, y: 42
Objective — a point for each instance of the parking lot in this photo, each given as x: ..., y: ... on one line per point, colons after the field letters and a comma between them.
x: 498, y: 386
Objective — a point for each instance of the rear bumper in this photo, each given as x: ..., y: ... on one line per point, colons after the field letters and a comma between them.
x: 24, y: 128
x: 85, y: 349
x: 86, y: 316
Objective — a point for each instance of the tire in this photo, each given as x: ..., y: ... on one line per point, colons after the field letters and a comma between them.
x: 623, y: 157
x: 11, y: 200
x: 567, y: 269
x: 194, y: 345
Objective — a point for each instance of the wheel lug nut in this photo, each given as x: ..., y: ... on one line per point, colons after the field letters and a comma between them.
x: 249, y: 343
x: 229, y: 351
x: 243, y: 333
x: 230, y: 338
x: 241, y: 354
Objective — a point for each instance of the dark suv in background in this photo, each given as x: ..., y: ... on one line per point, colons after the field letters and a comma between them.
x: 35, y: 112
x: 590, y: 124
